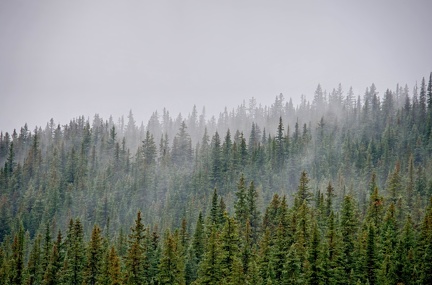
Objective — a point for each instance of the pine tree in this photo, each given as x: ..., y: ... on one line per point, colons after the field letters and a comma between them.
x: 226, y: 154
x: 216, y: 160
x: 53, y: 269
x: 375, y: 210
x: 329, y: 199
x: 34, y: 266
x: 371, y: 258
x: 230, y: 260
x: 422, y: 104
x: 149, y: 149
x: 405, y: 259
x: 315, y: 270
x: 94, y: 257
x: 254, y: 215
x: 252, y: 276
x: 265, y: 255
x: 386, y: 273
x: 410, y: 183
x: 215, y: 211
x: 198, y: 239
x: 271, y: 216
x: 114, y: 268
x: 394, y: 184
x: 349, y: 232
x: 246, y: 247
x: 293, y: 267
x: 279, y: 250
x: 241, y: 205
x: 74, y: 263
x: 135, y: 260
x: 280, y: 148
x: 332, y: 271
x: 303, y: 191
x: 171, y: 267
x: 17, y: 261
x: 425, y: 246
x: 152, y: 255
x: 210, y: 271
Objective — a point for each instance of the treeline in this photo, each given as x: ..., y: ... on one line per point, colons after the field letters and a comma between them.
x: 307, y: 242
x: 103, y: 173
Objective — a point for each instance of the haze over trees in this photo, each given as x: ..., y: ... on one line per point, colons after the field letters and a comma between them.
x: 336, y: 190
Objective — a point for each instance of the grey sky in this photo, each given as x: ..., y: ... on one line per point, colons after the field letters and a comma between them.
x: 62, y: 59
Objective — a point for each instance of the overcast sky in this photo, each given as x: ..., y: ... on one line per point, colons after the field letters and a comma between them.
x: 62, y: 59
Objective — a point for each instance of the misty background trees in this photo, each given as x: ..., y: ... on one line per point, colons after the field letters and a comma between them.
x: 332, y: 191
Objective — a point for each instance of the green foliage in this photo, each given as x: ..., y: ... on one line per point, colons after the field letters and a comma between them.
x: 135, y: 260
x: 94, y: 258
x: 370, y: 225
x: 210, y: 269
x: 171, y: 266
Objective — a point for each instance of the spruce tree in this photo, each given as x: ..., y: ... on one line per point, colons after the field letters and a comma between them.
x: 210, y: 271
x: 254, y: 215
x: 241, y: 205
x: 94, y: 257
x: 371, y: 258
x: 425, y: 246
x: 114, y: 268
x: 348, y: 226
x: 52, y: 275
x: 171, y: 266
x: 230, y: 259
x: 303, y: 191
x: 135, y: 259
x: 314, y: 258
x: 34, y: 266
x: 17, y: 261
x: 74, y: 263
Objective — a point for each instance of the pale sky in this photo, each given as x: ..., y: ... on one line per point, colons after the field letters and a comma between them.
x: 62, y: 59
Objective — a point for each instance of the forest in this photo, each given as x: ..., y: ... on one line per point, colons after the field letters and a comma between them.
x: 336, y: 190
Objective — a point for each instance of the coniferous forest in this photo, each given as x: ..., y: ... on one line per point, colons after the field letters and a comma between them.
x: 336, y: 190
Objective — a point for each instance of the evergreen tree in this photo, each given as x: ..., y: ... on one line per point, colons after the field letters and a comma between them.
x: 279, y: 250
x: 230, y: 260
x: 74, y: 263
x: 333, y: 267
x: 303, y: 191
x: 315, y: 270
x: 280, y: 148
x: 53, y: 269
x: 171, y: 267
x: 114, y: 270
x: 329, y: 199
x: 375, y: 210
x: 34, y: 266
x: 371, y: 257
x: 216, y: 169
x: 135, y: 260
x: 210, y: 271
x: 254, y: 215
x: 94, y: 257
x: 149, y: 149
x: 425, y: 246
x: 17, y: 261
x: 405, y: 259
x: 349, y: 231
x: 215, y: 211
x: 241, y: 205
x: 198, y: 239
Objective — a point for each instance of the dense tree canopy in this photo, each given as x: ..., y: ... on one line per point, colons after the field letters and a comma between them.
x: 334, y: 191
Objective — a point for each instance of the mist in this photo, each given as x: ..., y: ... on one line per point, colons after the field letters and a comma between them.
x: 63, y: 59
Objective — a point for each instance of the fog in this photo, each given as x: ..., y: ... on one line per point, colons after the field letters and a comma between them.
x: 63, y: 59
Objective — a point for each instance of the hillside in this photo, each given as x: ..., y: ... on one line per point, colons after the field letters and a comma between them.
x: 336, y: 190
